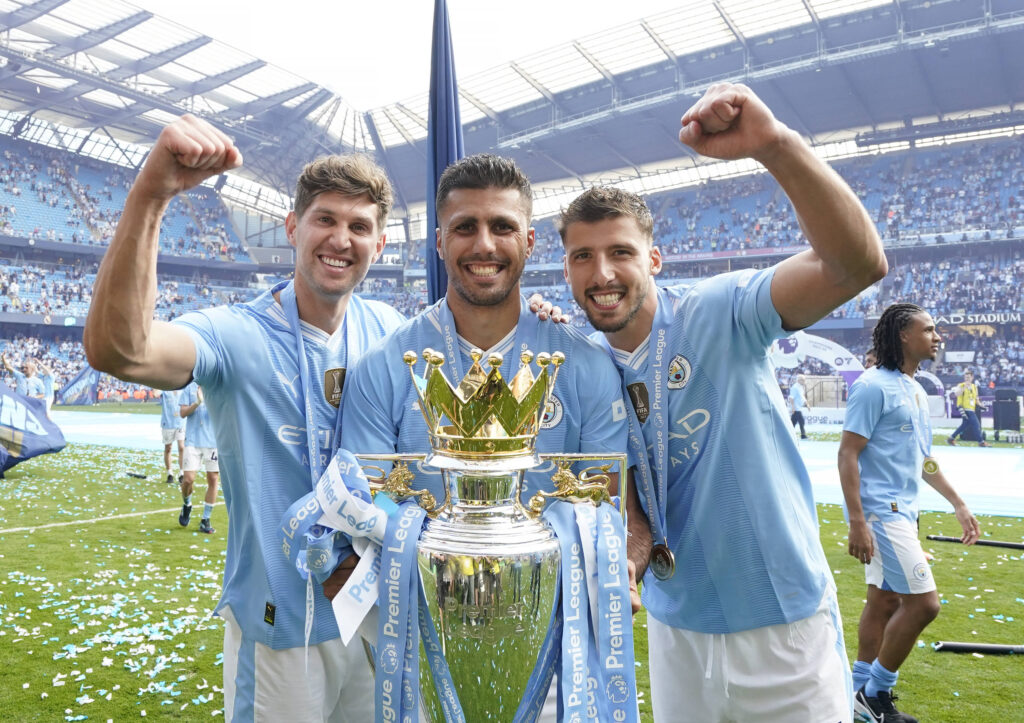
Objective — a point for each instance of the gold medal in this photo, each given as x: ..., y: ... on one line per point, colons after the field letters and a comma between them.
x: 662, y: 562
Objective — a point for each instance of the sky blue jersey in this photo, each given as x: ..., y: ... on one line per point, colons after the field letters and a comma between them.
x: 247, y: 364
x: 890, y: 410
x: 198, y: 425
x: 47, y: 380
x: 586, y: 412
x: 740, y: 516
x: 28, y: 386
x: 170, y: 410
x: 796, y: 393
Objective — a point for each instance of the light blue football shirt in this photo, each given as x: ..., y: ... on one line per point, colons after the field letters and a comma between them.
x: 796, y: 393
x: 198, y: 425
x: 740, y: 515
x: 586, y: 412
x: 28, y: 386
x: 21, y: 382
x: 890, y: 410
x: 47, y: 380
x: 247, y: 364
x: 170, y: 410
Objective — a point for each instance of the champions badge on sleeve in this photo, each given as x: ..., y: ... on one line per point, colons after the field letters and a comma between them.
x: 499, y: 592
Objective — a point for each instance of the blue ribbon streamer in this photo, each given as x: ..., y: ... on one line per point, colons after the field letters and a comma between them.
x: 396, y: 691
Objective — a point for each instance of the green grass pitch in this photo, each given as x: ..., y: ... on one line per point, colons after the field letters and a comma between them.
x: 105, y: 601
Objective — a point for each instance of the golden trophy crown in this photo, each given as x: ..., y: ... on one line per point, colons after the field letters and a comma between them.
x: 483, y: 418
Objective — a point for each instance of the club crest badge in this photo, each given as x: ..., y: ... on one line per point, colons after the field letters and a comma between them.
x: 678, y: 372
x: 334, y: 382
x: 552, y: 413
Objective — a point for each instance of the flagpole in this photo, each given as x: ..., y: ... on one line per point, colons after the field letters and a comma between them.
x: 444, y: 138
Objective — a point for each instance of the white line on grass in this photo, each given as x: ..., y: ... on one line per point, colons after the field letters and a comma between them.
x: 94, y: 519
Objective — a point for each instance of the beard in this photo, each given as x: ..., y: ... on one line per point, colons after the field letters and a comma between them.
x: 490, y: 296
x: 613, y: 325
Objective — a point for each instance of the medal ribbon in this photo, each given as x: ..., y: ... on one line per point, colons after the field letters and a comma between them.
x: 652, y: 483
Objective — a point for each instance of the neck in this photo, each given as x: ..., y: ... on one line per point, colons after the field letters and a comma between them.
x: 323, y: 313
x: 639, y: 327
x: 484, y: 326
x: 910, y: 367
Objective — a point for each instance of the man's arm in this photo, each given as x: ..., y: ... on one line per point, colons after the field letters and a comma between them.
x: 850, y: 447
x: 638, y: 542
x: 7, y: 364
x: 846, y: 255
x: 121, y: 337
x: 932, y: 474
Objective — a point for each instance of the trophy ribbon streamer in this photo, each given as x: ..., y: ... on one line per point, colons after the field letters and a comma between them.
x: 597, y: 668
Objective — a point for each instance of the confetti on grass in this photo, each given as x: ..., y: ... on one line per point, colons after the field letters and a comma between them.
x: 120, y: 605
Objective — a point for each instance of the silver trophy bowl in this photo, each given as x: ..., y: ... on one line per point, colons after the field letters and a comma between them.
x: 490, y: 575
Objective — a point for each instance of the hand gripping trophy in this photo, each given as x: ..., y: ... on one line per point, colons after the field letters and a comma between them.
x: 500, y: 593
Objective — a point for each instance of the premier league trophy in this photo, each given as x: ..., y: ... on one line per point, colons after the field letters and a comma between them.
x: 488, y: 564
x: 501, y: 592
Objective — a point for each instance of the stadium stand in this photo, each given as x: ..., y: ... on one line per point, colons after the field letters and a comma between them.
x: 949, y: 239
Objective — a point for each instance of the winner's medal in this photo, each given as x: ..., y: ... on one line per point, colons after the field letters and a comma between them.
x: 662, y: 562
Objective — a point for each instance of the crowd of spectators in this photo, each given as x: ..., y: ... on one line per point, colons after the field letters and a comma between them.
x: 945, y: 197
x: 46, y: 195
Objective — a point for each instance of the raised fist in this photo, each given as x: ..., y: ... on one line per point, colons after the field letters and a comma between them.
x: 188, y: 151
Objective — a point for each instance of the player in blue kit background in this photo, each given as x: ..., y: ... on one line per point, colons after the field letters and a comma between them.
x: 746, y: 626
x: 272, y: 371
x: 172, y: 429
x: 200, y: 451
x: 884, y: 452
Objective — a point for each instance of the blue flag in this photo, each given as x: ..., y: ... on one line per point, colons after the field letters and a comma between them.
x: 25, y: 430
x: 81, y: 390
x: 444, y: 138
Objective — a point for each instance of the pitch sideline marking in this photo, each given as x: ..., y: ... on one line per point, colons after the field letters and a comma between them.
x: 93, y: 520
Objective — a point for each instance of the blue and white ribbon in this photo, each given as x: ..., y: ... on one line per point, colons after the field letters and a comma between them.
x: 597, y: 678
x: 397, y: 689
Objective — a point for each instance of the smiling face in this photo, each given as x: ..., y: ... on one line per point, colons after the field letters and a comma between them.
x: 609, y: 264
x: 336, y: 239
x: 484, y: 238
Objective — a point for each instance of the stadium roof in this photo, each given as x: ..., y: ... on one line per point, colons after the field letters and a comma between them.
x: 99, y: 76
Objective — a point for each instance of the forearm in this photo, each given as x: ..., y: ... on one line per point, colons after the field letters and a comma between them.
x: 849, y: 479
x: 834, y: 220
x: 639, y: 542
x: 117, y: 330
x: 940, y: 484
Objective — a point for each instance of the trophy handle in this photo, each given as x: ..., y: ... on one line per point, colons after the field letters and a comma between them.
x: 395, y: 483
x: 592, y: 488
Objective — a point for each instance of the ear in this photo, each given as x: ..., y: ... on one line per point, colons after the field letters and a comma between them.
x: 531, y: 240
x: 289, y: 226
x: 655, y: 261
x: 565, y: 268
x: 437, y: 243
x: 379, y: 248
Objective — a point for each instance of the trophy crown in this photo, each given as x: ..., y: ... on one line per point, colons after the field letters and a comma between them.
x: 481, y: 415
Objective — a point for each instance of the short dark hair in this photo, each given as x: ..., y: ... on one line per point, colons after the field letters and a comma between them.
x: 350, y: 175
x: 886, y: 335
x: 603, y: 202
x: 484, y: 170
